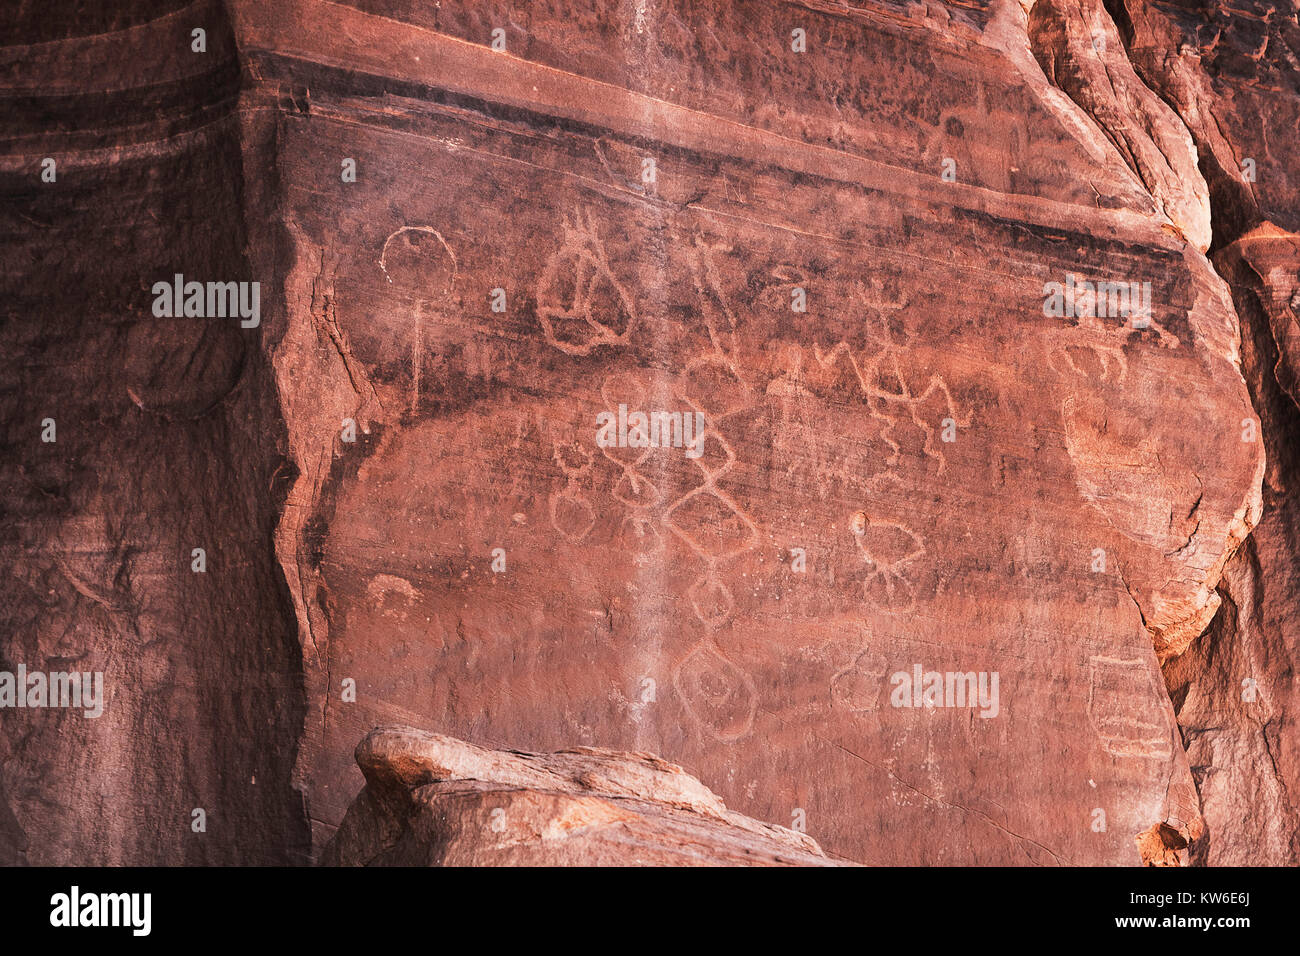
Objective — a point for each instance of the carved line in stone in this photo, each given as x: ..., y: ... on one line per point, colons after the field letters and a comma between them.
x: 718, y: 695
x: 904, y: 399
x: 581, y: 259
x: 1111, y: 708
x: 417, y: 332
x: 892, y: 575
x: 572, y: 492
x: 1111, y: 361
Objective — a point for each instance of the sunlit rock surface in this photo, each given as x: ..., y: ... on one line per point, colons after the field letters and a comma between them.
x: 434, y: 800
x: 1232, y: 73
x: 824, y: 236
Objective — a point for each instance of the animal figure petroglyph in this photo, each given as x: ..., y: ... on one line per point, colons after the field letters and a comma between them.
x: 890, y: 404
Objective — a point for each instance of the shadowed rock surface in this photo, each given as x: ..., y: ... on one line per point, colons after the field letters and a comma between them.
x: 435, y: 800
x: 835, y: 258
x: 167, y: 434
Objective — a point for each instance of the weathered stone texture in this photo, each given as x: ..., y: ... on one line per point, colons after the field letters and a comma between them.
x: 924, y: 467
x: 435, y: 800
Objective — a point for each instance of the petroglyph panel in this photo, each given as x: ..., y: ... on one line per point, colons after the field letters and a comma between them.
x: 886, y: 422
x: 658, y: 385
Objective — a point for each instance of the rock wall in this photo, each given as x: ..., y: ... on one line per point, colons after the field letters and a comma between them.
x: 839, y: 243
x: 166, y: 437
x: 1233, y: 74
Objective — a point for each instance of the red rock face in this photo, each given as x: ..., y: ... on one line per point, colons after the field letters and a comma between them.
x: 845, y: 260
x: 165, y: 436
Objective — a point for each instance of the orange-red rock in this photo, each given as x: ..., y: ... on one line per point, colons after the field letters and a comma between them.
x: 826, y: 235
x: 435, y: 800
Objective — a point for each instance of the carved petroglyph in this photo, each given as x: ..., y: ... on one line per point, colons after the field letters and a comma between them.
x: 391, y: 595
x: 426, y: 268
x: 571, y: 513
x: 719, y: 319
x: 715, y: 527
x: 719, y: 696
x: 632, y: 488
x: 708, y: 520
x: 440, y: 275
x: 858, y: 687
x: 639, y: 530
x: 1118, y: 472
x: 891, y: 398
x: 1098, y: 362
x: 1115, y: 332
x: 581, y: 305
x: 888, y: 547
x: 1123, y: 706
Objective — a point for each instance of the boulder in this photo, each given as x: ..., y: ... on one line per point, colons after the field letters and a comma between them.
x: 432, y: 800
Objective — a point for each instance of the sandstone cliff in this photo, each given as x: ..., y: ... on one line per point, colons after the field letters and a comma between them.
x: 824, y: 231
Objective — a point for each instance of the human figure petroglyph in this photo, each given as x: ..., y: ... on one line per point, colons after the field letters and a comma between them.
x: 879, y: 371
x: 571, y: 513
x: 428, y: 271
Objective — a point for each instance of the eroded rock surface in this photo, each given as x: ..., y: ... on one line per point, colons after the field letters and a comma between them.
x: 922, y: 468
x: 166, y: 436
x: 435, y: 800
x: 826, y: 234
x: 1232, y: 73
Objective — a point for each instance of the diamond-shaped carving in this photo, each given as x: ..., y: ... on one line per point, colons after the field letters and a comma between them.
x: 711, y: 526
